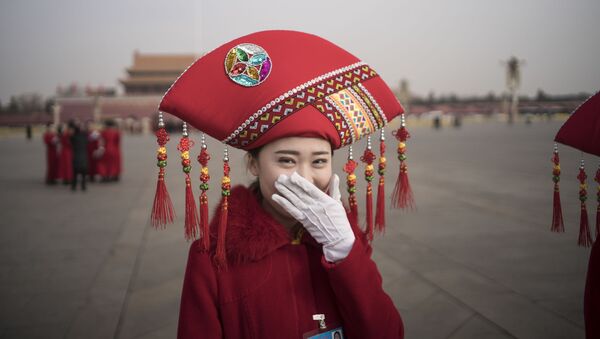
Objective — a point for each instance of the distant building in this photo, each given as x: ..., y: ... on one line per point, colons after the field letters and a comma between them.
x: 146, y: 82
x: 153, y: 74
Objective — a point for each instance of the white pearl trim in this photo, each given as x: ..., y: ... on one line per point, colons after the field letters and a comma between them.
x: 364, y: 89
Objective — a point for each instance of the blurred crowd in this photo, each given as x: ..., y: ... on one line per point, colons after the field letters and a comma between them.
x: 77, y: 152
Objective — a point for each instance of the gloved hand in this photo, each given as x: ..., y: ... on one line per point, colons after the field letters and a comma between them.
x: 323, y: 216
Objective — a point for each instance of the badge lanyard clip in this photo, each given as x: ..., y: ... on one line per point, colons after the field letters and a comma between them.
x: 321, y: 319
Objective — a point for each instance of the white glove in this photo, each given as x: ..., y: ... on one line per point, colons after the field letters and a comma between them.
x: 323, y: 216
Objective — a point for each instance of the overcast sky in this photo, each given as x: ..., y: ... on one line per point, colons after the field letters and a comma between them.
x: 441, y: 46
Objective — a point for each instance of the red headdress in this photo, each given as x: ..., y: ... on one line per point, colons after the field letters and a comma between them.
x: 581, y: 131
x: 273, y: 84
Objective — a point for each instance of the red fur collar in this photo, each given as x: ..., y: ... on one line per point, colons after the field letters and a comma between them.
x: 251, y: 233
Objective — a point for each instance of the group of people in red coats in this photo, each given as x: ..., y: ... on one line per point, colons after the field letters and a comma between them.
x: 76, y: 152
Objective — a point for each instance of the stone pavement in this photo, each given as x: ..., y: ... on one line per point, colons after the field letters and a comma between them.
x: 475, y: 260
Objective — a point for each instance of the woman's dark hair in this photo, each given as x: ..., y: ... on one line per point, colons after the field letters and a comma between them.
x: 255, y: 185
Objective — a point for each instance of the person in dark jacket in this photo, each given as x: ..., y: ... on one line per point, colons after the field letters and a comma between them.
x: 79, y: 144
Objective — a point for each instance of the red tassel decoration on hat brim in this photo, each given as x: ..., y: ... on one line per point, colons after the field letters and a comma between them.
x: 402, y: 197
x: 368, y: 158
x: 162, y: 208
x: 349, y: 168
x: 163, y: 212
x: 557, y: 216
x: 380, y: 213
x: 597, y: 179
x: 585, y: 238
x: 220, y: 258
x: 203, y: 159
x: 191, y: 212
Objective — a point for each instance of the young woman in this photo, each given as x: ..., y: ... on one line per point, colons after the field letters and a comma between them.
x: 295, y: 265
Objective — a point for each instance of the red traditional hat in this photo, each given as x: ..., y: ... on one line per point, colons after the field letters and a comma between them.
x: 580, y: 131
x: 273, y: 84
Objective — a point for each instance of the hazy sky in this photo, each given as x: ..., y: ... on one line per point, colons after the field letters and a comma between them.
x: 441, y: 46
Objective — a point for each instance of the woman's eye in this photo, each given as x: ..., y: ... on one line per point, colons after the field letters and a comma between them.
x: 286, y: 160
x: 320, y: 161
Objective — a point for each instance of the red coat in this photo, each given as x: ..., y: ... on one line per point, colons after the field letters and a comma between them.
x: 591, y: 305
x: 272, y: 288
x: 110, y: 163
x: 51, y: 140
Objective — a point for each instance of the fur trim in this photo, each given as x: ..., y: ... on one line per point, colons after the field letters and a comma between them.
x: 251, y: 232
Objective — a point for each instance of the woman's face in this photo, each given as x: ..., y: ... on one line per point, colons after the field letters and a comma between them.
x: 309, y: 157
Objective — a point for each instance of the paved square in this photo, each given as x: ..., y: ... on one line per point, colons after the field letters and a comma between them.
x: 475, y: 260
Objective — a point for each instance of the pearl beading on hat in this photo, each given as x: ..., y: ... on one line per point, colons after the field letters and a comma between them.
x: 364, y: 89
x: 289, y: 93
x: 365, y: 106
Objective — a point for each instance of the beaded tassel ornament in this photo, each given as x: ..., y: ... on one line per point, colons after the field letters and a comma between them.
x: 402, y: 197
x: 597, y: 179
x: 380, y: 214
x: 368, y: 157
x: 585, y: 238
x: 203, y: 159
x: 220, y: 255
x: 191, y: 213
x: 351, y: 186
x: 162, y: 209
x: 557, y: 216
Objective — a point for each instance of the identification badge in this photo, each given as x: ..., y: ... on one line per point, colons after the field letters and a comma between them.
x: 336, y: 333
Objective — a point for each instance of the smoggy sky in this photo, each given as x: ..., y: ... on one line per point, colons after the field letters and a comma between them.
x: 440, y: 46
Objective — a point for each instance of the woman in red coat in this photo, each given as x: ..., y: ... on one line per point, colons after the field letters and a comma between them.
x: 93, y: 152
x: 51, y: 142
x: 281, y: 258
x: 281, y: 271
x: 65, y: 155
x: 110, y: 167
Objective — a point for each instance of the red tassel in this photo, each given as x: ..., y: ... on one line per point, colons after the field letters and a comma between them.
x: 368, y: 158
x: 191, y: 213
x: 402, y: 197
x: 203, y: 159
x: 220, y: 253
x: 162, y: 209
x: 380, y: 213
x: 597, y: 179
x: 369, y: 212
x: 204, y: 225
x: 351, y: 187
x: 353, y: 209
x: 597, y: 221
x: 585, y: 238
x: 557, y: 217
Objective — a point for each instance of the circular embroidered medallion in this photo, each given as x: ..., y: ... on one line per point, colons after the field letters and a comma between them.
x: 248, y: 64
